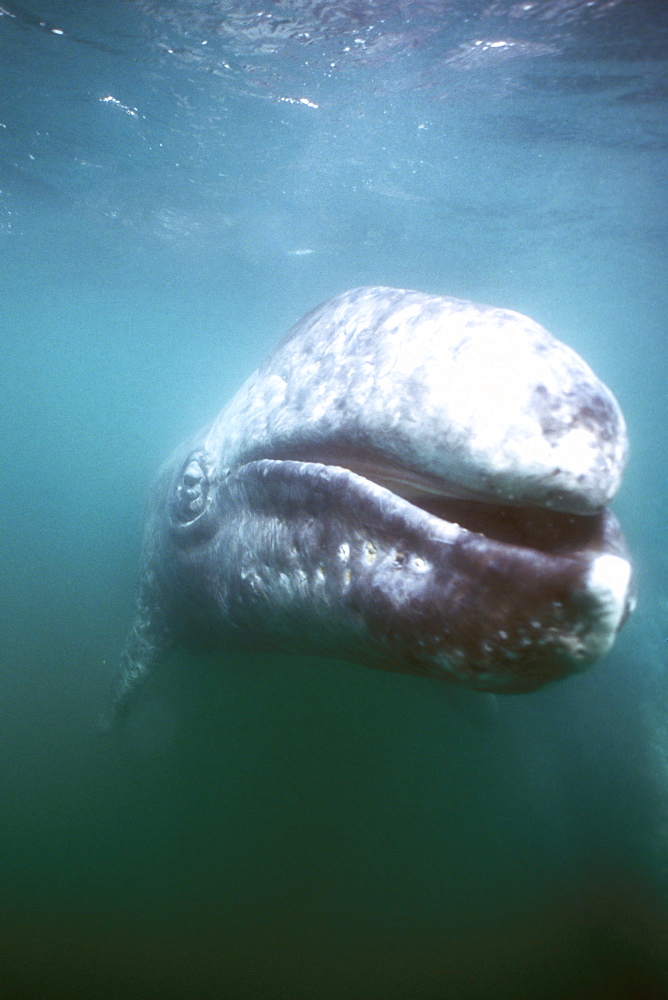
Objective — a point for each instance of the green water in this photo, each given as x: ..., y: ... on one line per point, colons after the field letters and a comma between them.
x: 178, y: 184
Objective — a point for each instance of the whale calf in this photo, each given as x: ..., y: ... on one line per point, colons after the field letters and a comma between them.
x: 411, y: 482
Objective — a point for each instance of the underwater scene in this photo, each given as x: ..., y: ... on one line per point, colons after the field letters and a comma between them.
x: 180, y: 182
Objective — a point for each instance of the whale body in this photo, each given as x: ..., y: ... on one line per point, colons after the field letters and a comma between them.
x: 411, y: 482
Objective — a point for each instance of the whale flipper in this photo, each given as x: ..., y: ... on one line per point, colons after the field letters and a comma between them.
x: 149, y: 643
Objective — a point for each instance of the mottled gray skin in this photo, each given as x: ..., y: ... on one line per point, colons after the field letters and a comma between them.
x: 411, y: 482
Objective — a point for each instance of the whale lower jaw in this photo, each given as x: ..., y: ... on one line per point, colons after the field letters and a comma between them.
x: 488, y: 596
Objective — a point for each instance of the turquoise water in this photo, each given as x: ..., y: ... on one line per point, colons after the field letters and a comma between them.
x: 179, y: 182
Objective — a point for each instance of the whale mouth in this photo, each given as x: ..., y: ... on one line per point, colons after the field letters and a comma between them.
x: 535, y: 528
x: 528, y: 526
x: 499, y: 519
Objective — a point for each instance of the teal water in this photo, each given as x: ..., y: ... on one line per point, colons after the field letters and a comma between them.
x: 179, y: 182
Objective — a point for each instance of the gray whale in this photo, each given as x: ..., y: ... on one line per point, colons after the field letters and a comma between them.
x: 412, y: 482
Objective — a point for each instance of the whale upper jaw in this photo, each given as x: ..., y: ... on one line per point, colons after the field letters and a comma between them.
x: 482, y: 399
x: 488, y: 596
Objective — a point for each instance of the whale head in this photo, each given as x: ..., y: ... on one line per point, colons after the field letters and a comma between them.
x: 412, y: 482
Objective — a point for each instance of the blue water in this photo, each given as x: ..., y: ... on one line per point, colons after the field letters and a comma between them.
x: 179, y: 182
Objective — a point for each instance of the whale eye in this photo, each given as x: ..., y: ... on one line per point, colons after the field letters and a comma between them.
x: 193, y: 489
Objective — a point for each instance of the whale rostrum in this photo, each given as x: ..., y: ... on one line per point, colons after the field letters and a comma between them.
x: 411, y: 482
